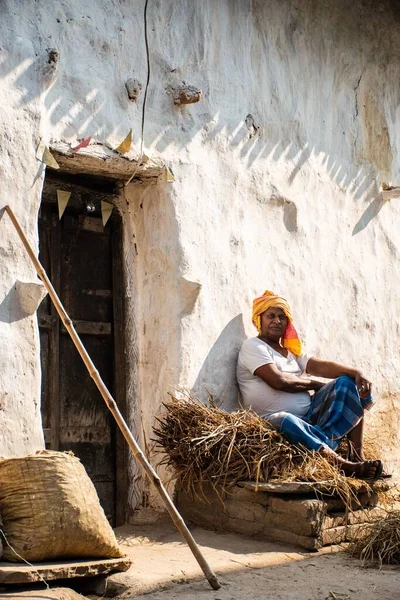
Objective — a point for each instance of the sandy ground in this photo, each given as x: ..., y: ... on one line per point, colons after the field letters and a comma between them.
x: 164, y: 568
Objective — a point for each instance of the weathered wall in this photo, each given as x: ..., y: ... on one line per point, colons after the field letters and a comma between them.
x: 19, y: 359
x: 286, y: 199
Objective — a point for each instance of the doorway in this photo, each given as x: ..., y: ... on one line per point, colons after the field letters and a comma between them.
x: 83, y: 260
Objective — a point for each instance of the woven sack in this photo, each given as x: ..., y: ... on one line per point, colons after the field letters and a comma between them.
x: 50, y: 510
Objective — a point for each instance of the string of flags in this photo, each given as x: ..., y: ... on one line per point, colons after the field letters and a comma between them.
x: 126, y: 144
x: 64, y: 196
x: 169, y: 175
x: 44, y: 155
x: 62, y: 201
x: 82, y: 144
x: 106, y: 210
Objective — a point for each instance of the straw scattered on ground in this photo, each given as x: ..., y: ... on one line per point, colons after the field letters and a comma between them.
x: 206, y: 445
x: 379, y: 543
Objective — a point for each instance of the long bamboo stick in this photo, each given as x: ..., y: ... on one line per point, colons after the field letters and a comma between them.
x: 112, y: 406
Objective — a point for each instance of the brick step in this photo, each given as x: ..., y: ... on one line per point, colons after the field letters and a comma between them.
x: 292, y: 518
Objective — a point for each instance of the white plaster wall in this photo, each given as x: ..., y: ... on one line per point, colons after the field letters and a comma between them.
x: 20, y: 421
x: 290, y: 204
x: 153, y: 256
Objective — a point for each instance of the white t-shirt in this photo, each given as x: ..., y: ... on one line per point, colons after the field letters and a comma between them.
x: 257, y: 394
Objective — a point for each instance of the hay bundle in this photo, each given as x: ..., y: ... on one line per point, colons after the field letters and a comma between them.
x: 204, y: 444
x: 380, y: 542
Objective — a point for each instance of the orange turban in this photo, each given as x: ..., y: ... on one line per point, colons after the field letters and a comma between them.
x: 290, y: 338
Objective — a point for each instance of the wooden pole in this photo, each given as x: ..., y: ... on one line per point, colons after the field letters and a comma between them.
x: 112, y: 406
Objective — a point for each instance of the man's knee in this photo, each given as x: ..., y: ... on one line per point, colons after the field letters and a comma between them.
x: 276, y: 419
x: 346, y: 381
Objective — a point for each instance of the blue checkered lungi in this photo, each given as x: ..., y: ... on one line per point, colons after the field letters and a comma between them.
x: 334, y: 411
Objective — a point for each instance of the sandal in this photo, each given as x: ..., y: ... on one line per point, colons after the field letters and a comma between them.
x: 352, y: 458
x: 386, y: 475
x: 364, y: 469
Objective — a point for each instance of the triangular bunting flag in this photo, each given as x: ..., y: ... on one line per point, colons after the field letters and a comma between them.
x: 125, y: 146
x: 62, y: 200
x: 82, y: 144
x: 106, y: 210
x: 49, y: 159
x: 45, y: 156
x: 145, y: 159
x: 169, y: 174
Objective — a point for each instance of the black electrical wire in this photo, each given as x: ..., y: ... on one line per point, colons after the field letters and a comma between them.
x: 146, y: 40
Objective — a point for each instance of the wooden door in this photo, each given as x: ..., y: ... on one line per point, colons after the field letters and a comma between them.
x: 82, y: 260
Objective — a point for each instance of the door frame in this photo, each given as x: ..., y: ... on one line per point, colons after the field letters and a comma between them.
x: 67, y: 182
x: 119, y: 313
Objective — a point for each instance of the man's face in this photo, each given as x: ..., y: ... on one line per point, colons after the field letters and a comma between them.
x: 273, y: 323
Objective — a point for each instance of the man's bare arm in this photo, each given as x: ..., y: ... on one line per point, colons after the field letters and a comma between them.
x: 332, y: 370
x: 328, y: 369
x: 285, y: 382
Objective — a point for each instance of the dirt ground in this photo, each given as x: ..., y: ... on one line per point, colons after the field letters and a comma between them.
x: 164, y: 568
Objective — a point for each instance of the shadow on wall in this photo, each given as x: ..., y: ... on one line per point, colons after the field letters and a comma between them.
x: 9, y: 311
x: 370, y: 213
x: 22, y: 301
x: 71, y: 98
x: 218, y: 372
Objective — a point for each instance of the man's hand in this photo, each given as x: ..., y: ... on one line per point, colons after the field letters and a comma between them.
x: 363, y: 385
x: 316, y: 385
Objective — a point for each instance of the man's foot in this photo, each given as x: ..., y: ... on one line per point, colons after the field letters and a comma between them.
x: 357, y: 456
x: 353, y: 456
x: 369, y: 470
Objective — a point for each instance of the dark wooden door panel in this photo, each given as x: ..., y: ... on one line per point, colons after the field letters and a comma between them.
x: 81, y: 403
x: 44, y: 364
x: 106, y: 491
x: 77, y: 252
x: 86, y: 425
x: 86, y: 276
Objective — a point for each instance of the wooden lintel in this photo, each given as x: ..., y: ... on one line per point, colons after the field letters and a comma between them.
x: 102, y: 161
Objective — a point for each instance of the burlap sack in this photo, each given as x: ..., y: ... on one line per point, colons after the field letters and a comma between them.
x: 50, y: 510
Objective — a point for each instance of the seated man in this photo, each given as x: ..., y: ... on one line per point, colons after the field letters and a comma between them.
x: 272, y: 376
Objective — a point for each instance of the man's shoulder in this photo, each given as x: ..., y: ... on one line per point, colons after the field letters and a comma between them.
x: 252, y: 341
x: 251, y: 344
x: 253, y: 354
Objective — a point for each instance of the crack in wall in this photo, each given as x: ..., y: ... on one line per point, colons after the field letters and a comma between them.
x: 356, y: 111
x: 356, y: 96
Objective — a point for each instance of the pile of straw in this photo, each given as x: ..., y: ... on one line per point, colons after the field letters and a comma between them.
x: 204, y: 444
x: 380, y: 543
